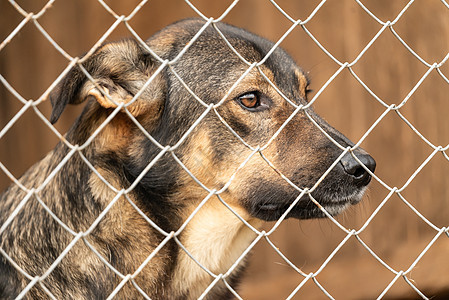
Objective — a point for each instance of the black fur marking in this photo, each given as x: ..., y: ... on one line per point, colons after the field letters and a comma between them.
x: 153, y: 189
x: 8, y: 279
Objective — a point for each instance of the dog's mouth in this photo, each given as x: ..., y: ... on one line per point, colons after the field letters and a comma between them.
x: 305, y: 208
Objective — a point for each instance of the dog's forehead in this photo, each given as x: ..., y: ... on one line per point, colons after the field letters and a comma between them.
x: 210, y: 53
x: 172, y: 39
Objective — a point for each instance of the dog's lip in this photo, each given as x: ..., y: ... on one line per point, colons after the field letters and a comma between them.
x: 305, y: 205
x: 282, y: 207
x: 308, y: 204
x: 272, y: 206
x: 305, y: 208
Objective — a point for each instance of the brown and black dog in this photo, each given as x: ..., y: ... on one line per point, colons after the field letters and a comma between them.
x: 213, y: 152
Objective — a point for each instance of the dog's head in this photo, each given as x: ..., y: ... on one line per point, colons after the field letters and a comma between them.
x: 296, y: 147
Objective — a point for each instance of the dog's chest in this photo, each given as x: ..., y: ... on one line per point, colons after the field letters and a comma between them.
x: 215, y: 240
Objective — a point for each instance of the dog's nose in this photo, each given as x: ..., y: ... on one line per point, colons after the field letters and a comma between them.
x: 355, y: 170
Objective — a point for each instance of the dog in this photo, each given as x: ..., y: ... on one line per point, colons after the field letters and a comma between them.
x: 140, y: 185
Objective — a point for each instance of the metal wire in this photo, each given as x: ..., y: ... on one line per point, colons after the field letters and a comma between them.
x: 32, y: 194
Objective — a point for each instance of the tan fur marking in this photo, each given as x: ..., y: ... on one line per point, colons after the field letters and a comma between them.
x: 200, y: 159
x: 115, y: 136
x: 302, y: 83
x: 104, y: 101
x: 216, y: 238
x: 136, y: 109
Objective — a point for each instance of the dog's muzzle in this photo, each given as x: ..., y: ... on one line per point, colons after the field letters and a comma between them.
x: 342, y: 187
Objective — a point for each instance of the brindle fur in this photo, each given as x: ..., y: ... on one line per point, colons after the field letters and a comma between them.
x: 166, y: 193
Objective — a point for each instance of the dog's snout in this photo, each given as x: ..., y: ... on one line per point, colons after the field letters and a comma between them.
x: 353, y: 168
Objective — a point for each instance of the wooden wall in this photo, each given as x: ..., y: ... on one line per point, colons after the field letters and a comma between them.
x: 30, y: 64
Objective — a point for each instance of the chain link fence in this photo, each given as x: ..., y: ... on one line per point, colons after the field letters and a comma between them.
x: 387, y: 27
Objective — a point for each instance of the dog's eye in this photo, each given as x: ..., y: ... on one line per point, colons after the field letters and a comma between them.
x: 250, y: 100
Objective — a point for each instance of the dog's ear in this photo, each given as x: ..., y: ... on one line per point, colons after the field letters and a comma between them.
x: 120, y: 70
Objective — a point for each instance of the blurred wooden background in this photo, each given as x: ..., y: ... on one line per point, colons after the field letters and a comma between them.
x: 30, y: 64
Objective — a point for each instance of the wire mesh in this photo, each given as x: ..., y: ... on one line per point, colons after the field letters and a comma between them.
x: 32, y: 194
